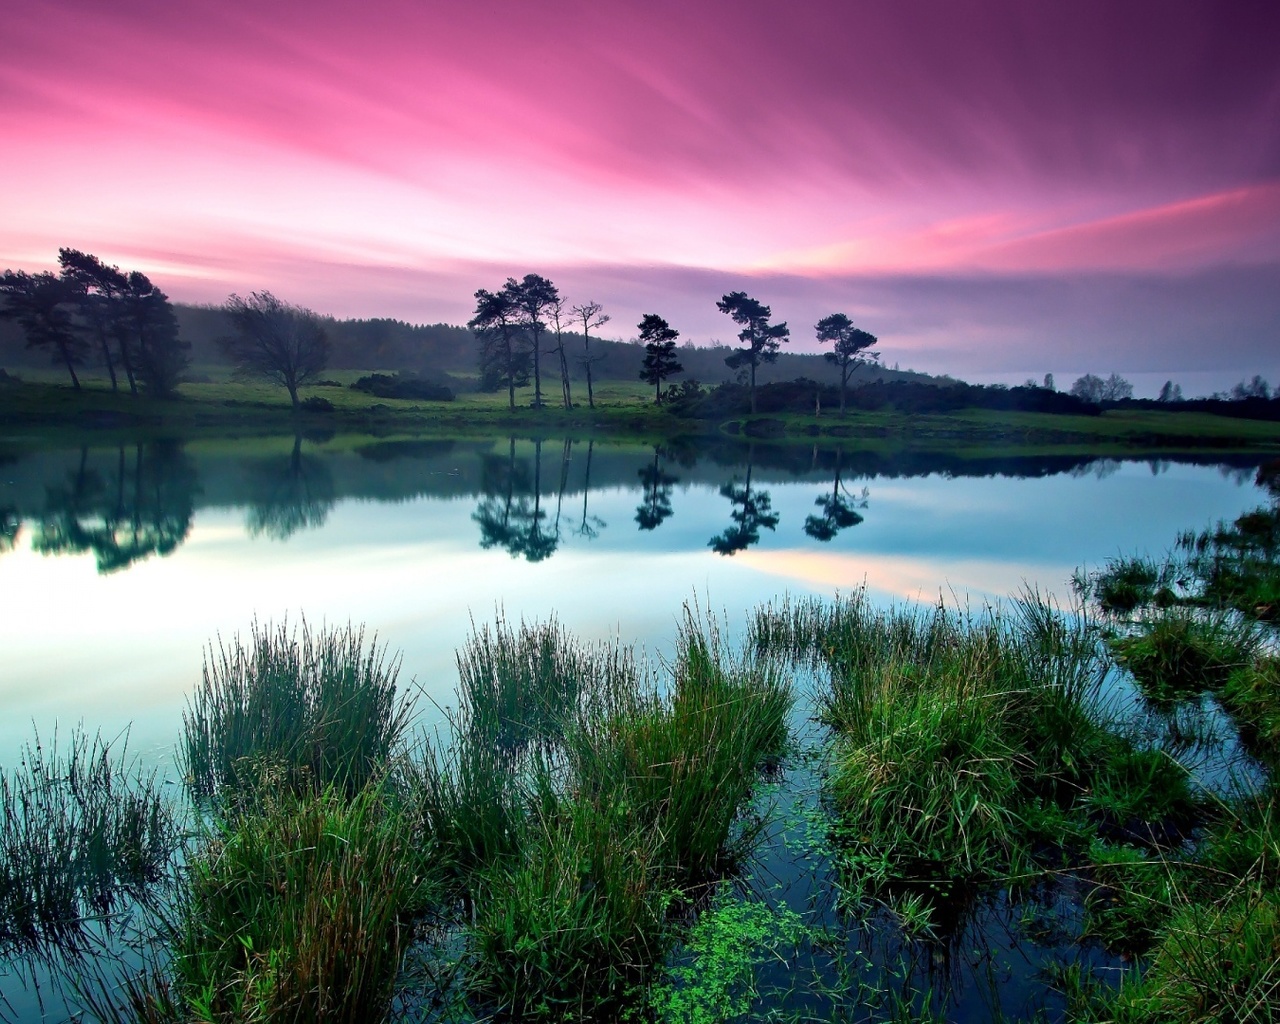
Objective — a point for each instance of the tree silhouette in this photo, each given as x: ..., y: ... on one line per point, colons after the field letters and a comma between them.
x: 592, y: 315
x: 504, y: 358
x: 749, y: 514
x: 41, y: 304
x: 655, y: 507
x: 275, y: 340
x: 159, y: 355
x: 531, y: 298
x: 660, y: 360
x: 289, y: 494
x: 850, y: 343
x: 839, y: 510
x: 97, y: 290
x: 759, y: 336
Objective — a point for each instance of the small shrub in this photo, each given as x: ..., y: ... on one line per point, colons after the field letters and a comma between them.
x: 316, y: 404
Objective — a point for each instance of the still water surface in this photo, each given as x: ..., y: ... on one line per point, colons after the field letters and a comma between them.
x: 118, y: 565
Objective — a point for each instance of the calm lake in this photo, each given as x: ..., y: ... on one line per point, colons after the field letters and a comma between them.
x: 118, y: 565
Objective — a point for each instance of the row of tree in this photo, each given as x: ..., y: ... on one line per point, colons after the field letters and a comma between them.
x: 128, y: 325
x: 510, y: 322
x: 90, y: 310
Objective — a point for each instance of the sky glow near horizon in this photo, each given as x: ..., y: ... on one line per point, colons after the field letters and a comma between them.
x: 987, y: 187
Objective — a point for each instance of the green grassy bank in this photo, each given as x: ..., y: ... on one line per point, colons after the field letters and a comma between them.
x: 622, y: 410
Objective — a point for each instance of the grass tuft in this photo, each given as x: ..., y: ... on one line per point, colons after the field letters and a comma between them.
x: 294, y: 709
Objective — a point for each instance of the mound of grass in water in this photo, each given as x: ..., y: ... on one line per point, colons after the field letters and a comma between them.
x: 298, y: 911
x: 620, y: 792
x: 1178, y: 653
x: 966, y: 745
x: 83, y: 830
x: 300, y: 710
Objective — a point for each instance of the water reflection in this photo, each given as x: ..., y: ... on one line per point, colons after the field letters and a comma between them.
x: 142, y: 508
x: 839, y: 509
x: 656, y: 485
x: 10, y: 524
x: 511, y: 515
x: 287, y: 494
x: 530, y: 498
x: 590, y: 526
x: 749, y: 514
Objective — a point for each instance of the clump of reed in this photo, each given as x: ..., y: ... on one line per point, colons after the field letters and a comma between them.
x: 1178, y: 653
x: 573, y: 927
x: 295, y: 709
x: 299, y: 911
x: 568, y: 821
x: 946, y: 724
x: 1207, y: 923
x: 520, y: 686
x: 83, y: 831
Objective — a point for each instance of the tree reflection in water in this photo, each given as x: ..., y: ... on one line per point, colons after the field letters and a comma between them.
x: 839, y: 510
x: 749, y: 514
x: 10, y: 524
x: 510, y: 516
x: 656, y: 486
x: 144, y: 508
x: 289, y: 494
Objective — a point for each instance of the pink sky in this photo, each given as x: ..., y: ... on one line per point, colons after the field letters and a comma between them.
x: 988, y: 186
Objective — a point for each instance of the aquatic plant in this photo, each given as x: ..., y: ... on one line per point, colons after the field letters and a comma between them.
x: 294, y: 709
x: 84, y: 830
x: 299, y: 911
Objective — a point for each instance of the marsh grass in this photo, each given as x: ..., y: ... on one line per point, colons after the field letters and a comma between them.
x: 951, y: 729
x: 292, y: 709
x: 1177, y: 653
x: 579, y: 794
x: 297, y: 911
x: 84, y: 831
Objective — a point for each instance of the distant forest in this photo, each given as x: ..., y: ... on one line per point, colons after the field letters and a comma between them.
x: 447, y: 350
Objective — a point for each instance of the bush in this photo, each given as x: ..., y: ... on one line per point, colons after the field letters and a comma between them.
x: 382, y: 385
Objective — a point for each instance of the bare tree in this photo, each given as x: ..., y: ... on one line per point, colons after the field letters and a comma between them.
x: 275, y: 340
x: 557, y: 315
x: 592, y: 315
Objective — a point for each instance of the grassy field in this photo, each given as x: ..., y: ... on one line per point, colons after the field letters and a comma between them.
x: 217, y: 406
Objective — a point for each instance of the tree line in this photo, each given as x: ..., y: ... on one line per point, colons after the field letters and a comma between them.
x: 92, y: 310
x: 510, y: 322
x: 95, y: 312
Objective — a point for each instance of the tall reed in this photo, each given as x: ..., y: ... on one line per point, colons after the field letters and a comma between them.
x: 83, y: 830
x: 299, y: 911
x: 300, y: 710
